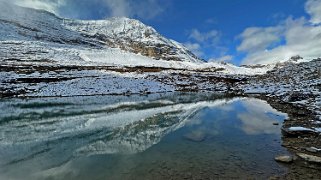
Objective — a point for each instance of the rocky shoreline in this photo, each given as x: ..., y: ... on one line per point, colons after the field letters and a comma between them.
x: 301, y: 144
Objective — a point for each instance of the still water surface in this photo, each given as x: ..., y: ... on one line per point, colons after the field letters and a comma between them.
x: 160, y: 136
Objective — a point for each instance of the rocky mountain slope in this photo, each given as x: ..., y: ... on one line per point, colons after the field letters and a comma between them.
x: 36, y: 35
x: 23, y: 24
x: 42, y: 54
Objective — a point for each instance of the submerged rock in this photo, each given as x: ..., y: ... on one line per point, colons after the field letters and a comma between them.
x: 284, y: 159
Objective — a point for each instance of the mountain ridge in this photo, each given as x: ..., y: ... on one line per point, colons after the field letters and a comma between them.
x: 124, y: 33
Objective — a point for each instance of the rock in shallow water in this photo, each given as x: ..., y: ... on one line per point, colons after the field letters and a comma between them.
x: 284, y: 159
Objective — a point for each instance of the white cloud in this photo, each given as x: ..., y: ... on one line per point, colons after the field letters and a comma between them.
x: 119, y: 7
x: 225, y: 58
x: 49, y: 5
x: 313, y: 7
x: 130, y: 8
x: 195, y: 48
x: 301, y: 37
x: 201, y: 42
x: 212, y: 36
x: 255, y: 38
x: 145, y: 9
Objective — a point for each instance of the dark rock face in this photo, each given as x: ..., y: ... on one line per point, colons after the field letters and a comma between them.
x: 157, y: 51
x: 297, y: 96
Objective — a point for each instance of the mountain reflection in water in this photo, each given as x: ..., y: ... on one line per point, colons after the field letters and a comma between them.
x: 138, y: 137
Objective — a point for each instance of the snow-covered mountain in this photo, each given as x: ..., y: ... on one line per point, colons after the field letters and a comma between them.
x: 133, y: 36
x: 42, y: 54
x: 38, y: 36
x: 24, y: 24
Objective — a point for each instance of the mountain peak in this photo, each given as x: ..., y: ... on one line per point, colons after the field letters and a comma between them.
x: 120, y: 27
x: 131, y: 35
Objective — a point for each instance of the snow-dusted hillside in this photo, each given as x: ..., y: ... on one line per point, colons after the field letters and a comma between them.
x: 23, y: 24
x: 42, y: 54
x: 133, y: 36
x: 292, y: 82
x: 29, y: 35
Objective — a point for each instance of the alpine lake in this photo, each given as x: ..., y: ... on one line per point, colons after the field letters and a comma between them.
x: 157, y: 136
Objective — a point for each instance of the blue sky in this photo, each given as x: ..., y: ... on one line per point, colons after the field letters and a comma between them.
x: 229, y: 18
x: 237, y: 31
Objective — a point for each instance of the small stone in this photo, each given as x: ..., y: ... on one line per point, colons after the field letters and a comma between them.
x: 284, y: 159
